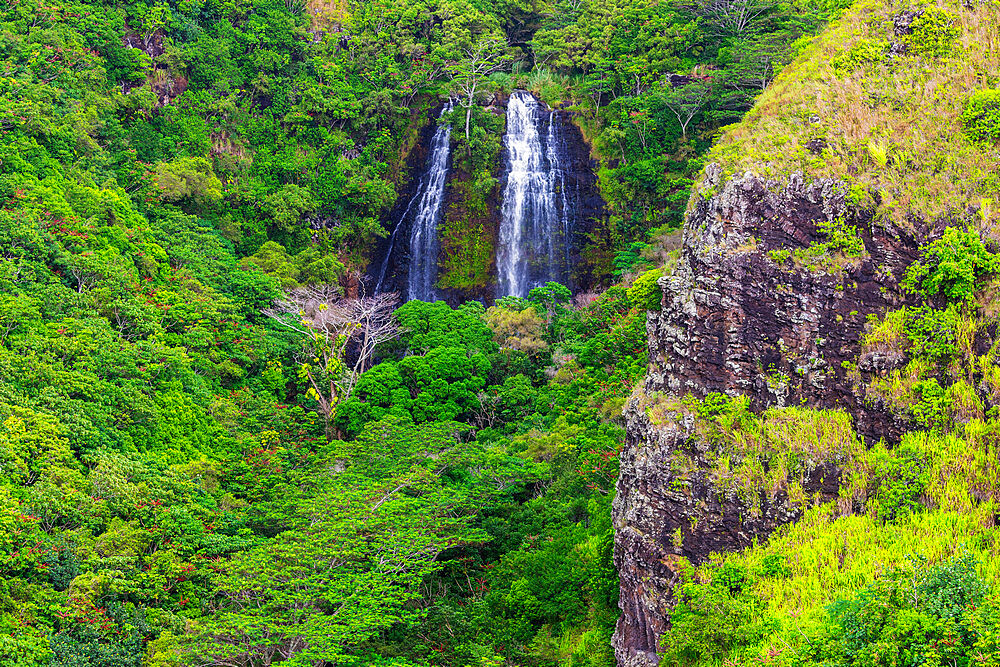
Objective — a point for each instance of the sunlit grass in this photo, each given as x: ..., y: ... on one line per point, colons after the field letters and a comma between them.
x: 892, y: 129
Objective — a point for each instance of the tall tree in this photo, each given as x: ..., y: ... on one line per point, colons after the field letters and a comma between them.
x: 336, y: 327
x: 686, y: 98
x: 470, y: 73
x: 733, y: 18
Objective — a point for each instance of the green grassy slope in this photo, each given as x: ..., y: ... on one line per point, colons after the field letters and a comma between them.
x: 880, y: 111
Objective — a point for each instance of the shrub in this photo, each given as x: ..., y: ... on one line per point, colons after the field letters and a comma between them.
x: 715, y: 620
x: 645, y: 293
x: 779, y: 256
x: 953, y: 266
x: 982, y: 116
x: 903, y: 477
x: 934, y: 407
x: 775, y: 566
x: 842, y: 237
x: 878, y: 151
x: 626, y: 261
x: 949, y: 589
x: 932, y: 332
x: 921, y: 617
x: 933, y: 33
x: 864, y: 53
x: 188, y: 179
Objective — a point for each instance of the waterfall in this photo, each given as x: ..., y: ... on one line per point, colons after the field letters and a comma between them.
x: 392, y: 239
x: 427, y: 202
x: 535, y: 222
x: 555, y: 145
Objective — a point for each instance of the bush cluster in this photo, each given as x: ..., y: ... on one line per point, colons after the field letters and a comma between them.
x: 981, y: 116
x: 954, y: 266
x: 932, y: 33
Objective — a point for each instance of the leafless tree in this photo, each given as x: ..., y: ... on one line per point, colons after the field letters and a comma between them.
x: 336, y: 328
x: 488, y: 412
x: 733, y: 17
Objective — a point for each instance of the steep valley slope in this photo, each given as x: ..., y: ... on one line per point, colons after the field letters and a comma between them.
x: 797, y: 244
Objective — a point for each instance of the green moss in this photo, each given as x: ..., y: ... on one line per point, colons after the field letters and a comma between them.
x: 468, y: 262
x: 468, y: 232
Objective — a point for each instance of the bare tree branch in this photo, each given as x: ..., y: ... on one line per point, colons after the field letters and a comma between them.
x: 733, y: 17
x: 336, y: 328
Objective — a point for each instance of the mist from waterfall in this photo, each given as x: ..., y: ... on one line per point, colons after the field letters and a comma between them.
x: 535, y: 222
x: 427, y: 204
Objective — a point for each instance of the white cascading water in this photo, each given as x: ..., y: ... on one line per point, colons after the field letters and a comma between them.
x: 557, y: 177
x: 534, y: 222
x: 427, y: 202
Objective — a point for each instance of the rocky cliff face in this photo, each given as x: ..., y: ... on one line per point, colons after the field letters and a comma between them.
x: 761, y: 304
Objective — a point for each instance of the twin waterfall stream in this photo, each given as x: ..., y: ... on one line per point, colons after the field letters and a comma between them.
x: 534, y: 225
x: 537, y: 213
x: 429, y: 201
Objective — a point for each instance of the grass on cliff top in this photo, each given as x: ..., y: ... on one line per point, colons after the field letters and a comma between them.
x: 890, y: 128
x: 753, y: 456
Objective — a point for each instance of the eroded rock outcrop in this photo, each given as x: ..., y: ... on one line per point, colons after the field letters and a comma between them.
x: 762, y: 304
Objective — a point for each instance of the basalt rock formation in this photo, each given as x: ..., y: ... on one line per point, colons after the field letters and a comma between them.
x: 804, y: 224
x: 739, y: 318
x: 741, y: 315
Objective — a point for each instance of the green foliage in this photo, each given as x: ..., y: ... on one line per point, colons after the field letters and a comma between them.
x: 358, y: 540
x: 111, y: 635
x: 843, y: 246
x: 637, y: 71
x: 850, y: 589
x: 902, y: 477
x: 308, y: 267
x: 717, y: 620
x: 933, y: 405
x: 918, y: 615
x: 842, y: 237
x: 779, y: 256
x: 932, y: 33
x: 167, y: 494
x: 188, y: 179
x: 626, y: 261
x: 645, y: 293
x: 864, y: 54
x: 543, y: 588
x: 981, y: 116
x: 954, y: 266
